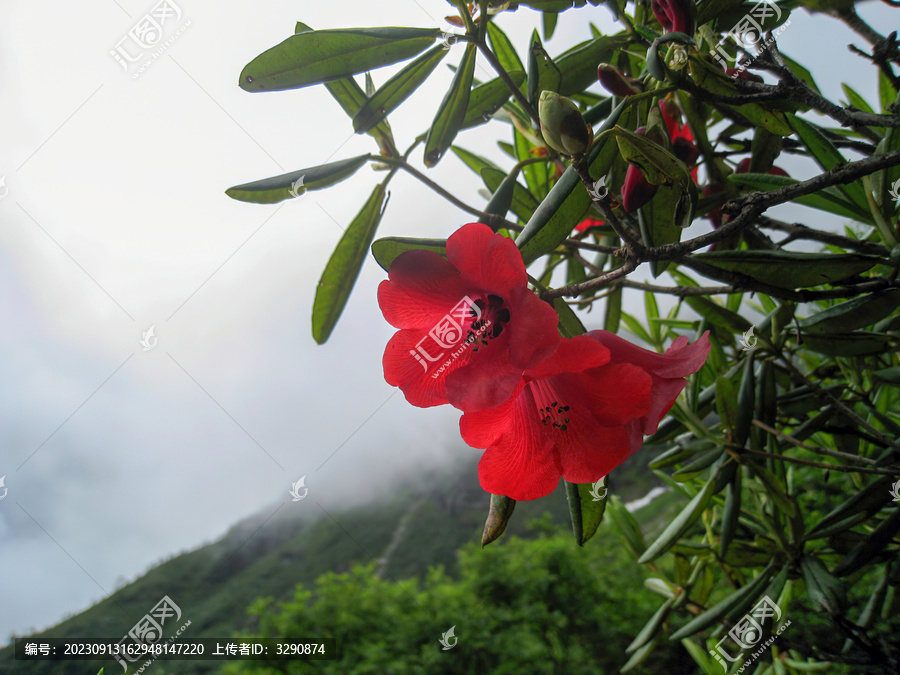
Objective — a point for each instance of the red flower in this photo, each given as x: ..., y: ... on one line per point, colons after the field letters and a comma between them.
x: 667, y: 370
x: 468, y: 324
x: 673, y: 15
x: 579, y: 414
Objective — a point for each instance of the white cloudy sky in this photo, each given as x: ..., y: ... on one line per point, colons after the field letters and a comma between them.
x: 116, y: 220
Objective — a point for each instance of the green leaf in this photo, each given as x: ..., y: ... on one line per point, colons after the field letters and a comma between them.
x: 774, y: 489
x: 488, y: 98
x: 385, y: 250
x: 790, y: 270
x: 293, y: 184
x: 500, y: 512
x: 549, y: 24
x: 578, y: 65
x: 626, y: 526
x: 858, y: 343
x: 351, y: 98
x: 503, y: 49
x: 680, y: 524
x: 317, y: 56
x: 731, y: 513
x: 713, y: 79
x: 827, y: 156
x: 886, y: 93
x: 651, y: 628
x: 473, y: 161
x: 856, y: 100
x: 452, y: 110
x: 870, y: 547
x: 396, y: 90
x: 718, y: 315
x: 586, y: 507
x: 569, y: 323
x: 829, y: 200
x: 856, y: 313
x: 523, y: 202
x: 734, y: 603
x: 824, y: 589
x: 344, y: 265
x: 543, y: 74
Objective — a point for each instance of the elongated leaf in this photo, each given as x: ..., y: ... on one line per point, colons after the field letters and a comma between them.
x: 856, y: 100
x: 649, y: 631
x: 736, y: 602
x: 313, y: 57
x: 827, y: 156
x: 523, y: 202
x: 396, y: 90
x: 385, y: 250
x: 829, y: 200
x: 858, y: 343
x: 718, y: 315
x: 790, y: 270
x: 870, y: 547
x: 586, y: 507
x: 824, y: 589
x: 293, y: 184
x: 344, y: 265
x: 351, y: 98
x: 856, y: 313
x: 579, y: 64
x: 626, y: 526
x: 569, y: 323
x: 713, y: 79
x: 452, y: 110
x: 503, y: 49
x: 473, y: 161
x: 501, y: 511
x: 543, y: 74
x: 680, y: 524
x: 488, y: 98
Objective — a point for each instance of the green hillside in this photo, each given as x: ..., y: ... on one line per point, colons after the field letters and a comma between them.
x: 419, y: 525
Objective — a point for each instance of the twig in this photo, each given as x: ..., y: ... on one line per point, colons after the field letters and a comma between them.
x: 819, y: 451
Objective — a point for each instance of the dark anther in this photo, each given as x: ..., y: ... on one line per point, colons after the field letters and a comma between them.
x: 503, y: 315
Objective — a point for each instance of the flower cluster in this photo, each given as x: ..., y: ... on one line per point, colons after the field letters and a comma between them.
x: 542, y: 407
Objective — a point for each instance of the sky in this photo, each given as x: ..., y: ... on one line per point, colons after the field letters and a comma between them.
x: 114, y: 220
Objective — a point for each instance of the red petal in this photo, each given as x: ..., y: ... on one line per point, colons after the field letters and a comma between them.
x: 485, y: 381
x: 665, y: 391
x: 422, y: 287
x: 401, y: 369
x: 614, y: 394
x: 680, y: 360
x: 587, y: 457
x: 636, y: 191
x: 573, y: 355
x: 533, y: 332
x: 520, y: 463
x: 489, y: 261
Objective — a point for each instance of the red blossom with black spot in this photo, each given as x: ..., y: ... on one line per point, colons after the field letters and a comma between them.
x: 469, y: 325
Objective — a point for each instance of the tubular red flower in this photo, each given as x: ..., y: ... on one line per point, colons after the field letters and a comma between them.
x: 673, y: 15
x: 579, y: 414
x: 468, y: 324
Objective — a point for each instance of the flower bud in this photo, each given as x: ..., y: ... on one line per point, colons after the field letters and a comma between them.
x: 616, y: 82
x: 744, y: 167
x: 675, y: 16
x: 685, y: 150
x: 562, y: 125
x: 637, y: 190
